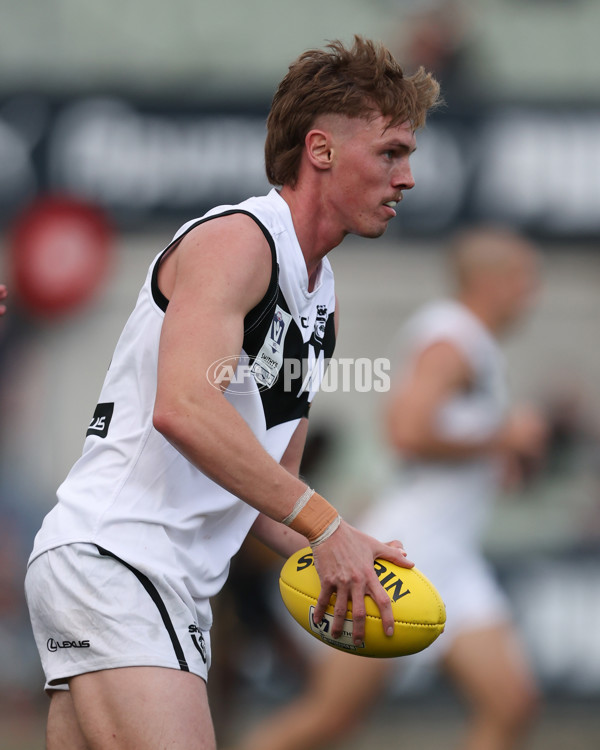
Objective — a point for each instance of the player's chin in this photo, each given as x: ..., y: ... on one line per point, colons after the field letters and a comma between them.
x: 372, y: 232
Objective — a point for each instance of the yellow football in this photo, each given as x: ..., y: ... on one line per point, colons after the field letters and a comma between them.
x: 419, y: 612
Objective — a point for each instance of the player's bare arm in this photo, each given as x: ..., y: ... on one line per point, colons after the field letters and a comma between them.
x: 220, y: 271
x: 292, y: 457
x: 277, y: 536
x: 524, y: 433
x: 439, y: 372
x: 281, y: 539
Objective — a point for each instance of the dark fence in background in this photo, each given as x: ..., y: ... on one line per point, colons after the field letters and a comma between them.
x: 556, y: 601
x: 535, y: 166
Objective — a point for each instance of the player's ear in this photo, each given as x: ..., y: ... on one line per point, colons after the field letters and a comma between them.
x: 319, y: 148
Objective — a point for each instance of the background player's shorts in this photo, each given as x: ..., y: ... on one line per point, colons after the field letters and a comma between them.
x: 90, y: 611
x: 443, y: 547
x: 468, y: 586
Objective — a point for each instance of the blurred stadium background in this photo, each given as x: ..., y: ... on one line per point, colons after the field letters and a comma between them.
x: 120, y: 120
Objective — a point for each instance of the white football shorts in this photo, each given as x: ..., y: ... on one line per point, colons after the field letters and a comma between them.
x: 90, y: 610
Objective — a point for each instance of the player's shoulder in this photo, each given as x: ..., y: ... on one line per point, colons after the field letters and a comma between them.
x: 227, y: 238
x: 227, y: 246
x: 444, y: 329
x: 228, y: 223
x: 443, y: 317
x: 252, y: 214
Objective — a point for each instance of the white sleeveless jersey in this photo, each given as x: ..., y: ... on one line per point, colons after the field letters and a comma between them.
x: 452, y: 499
x: 135, y: 495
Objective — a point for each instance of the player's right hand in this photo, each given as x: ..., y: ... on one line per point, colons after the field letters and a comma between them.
x: 344, y: 563
x: 525, y: 432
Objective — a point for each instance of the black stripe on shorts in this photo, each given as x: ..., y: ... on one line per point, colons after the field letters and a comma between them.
x: 160, y: 605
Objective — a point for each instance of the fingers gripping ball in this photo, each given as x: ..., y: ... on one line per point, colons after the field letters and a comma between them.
x: 419, y: 611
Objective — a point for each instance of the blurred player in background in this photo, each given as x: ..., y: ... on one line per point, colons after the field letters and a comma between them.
x: 449, y: 422
x: 3, y: 296
x: 198, y: 434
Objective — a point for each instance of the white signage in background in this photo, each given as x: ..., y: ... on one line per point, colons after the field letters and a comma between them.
x: 541, y: 168
x: 120, y: 157
x: 557, y: 607
x: 534, y: 166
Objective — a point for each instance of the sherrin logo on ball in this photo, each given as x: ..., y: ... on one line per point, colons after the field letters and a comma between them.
x: 419, y: 612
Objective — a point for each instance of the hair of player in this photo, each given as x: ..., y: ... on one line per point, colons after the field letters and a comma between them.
x: 362, y: 81
x: 485, y: 248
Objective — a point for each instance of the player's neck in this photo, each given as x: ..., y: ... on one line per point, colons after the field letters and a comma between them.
x: 314, y: 231
x: 483, y: 312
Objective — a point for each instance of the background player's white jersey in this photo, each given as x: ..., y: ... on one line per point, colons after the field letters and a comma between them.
x: 452, y: 499
x: 133, y: 493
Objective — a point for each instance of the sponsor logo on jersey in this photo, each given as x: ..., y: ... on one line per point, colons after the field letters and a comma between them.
x: 269, y: 360
x: 54, y: 645
x: 101, y: 420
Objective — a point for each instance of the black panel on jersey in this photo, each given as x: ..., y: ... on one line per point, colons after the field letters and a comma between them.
x: 283, y: 401
x: 262, y: 309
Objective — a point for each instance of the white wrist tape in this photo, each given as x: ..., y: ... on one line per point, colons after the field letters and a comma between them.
x: 299, y: 504
x: 333, y: 526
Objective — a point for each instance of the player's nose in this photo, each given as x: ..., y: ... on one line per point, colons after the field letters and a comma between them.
x: 403, y: 177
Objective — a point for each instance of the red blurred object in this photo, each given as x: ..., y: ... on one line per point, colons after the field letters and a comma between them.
x: 60, y: 255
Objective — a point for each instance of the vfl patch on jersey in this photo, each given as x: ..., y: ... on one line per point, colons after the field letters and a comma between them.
x: 268, y: 361
x: 101, y: 420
